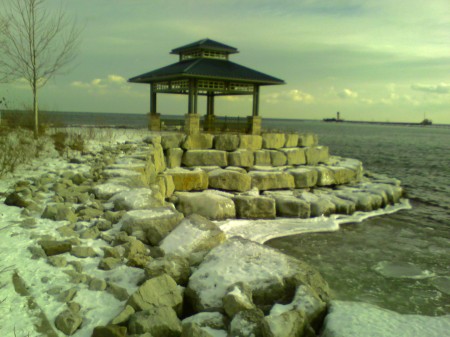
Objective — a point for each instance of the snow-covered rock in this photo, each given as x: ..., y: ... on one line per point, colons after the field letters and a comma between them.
x: 139, y: 198
x: 212, y: 206
x: 194, y: 235
x: 362, y: 319
x: 271, y: 275
x: 108, y: 189
x: 152, y: 225
x: 290, y: 206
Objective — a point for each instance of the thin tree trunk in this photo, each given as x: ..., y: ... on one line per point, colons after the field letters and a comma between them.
x: 35, y: 112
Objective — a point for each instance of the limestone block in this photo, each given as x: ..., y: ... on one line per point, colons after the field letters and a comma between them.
x: 290, y: 206
x: 226, y: 142
x: 316, y: 155
x: 291, y: 140
x: 186, y: 180
x: 138, y: 198
x: 107, y: 190
x: 250, y: 142
x: 238, y: 298
x: 247, y: 323
x: 319, y: 206
x: 241, y: 157
x: 254, y: 207
x: 325, y: 176
x: 160, y: 291
x: 152, y: 139
x: 210, y: 205
x: 170, y: 141
x: 52, y: 247
x: 174, y: 157
x: 156, y: 158
x: 198, y: 141
x: 205, y: 158
x: 288, y: 323
x: 273, y: 140
x: 236, y: 169
x: 271, y: 180
x: 307, y: 139
x: 110, y: 331
x: 212, y: 320
x: 262, y: 158
x: 166, y: 185
x: 151, y: 226
x: 59, y: 212
x: 229, y: 180
x: 160, y: 321
x: 342, y: 175
x: 294, y: 155
x: 271, y: 275
x: 195, y: 234
x: 277, y: 158
x: 304, y: 177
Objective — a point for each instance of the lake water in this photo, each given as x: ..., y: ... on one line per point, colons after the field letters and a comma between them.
x: 398, y: 261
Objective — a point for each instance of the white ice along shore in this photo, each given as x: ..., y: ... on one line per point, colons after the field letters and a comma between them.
x: 46, y: 286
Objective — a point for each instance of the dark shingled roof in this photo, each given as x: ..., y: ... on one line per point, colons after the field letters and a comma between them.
x: 205, y: 44
x: 207, y: 68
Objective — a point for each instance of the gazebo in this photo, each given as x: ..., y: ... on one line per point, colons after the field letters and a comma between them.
x: 204, y: 68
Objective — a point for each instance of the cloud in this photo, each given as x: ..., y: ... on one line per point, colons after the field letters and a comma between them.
x: 442, y: 88
x: 347, y: 93
x: 102, y: 86
x: 294, y: 95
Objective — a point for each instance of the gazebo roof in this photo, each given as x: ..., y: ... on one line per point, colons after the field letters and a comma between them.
x: 205, y: 44
x: 207, y: 68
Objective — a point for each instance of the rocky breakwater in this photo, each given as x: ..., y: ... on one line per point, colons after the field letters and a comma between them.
x: 268, y: 176
x: 132, y: 210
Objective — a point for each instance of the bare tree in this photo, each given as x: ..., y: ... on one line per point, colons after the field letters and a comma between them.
x: 35, y: 45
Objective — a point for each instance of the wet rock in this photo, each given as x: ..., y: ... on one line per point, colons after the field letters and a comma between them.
x: 319, y: 206
x: 207, y: 204
x: 254, y: 207
x: 290, y: 206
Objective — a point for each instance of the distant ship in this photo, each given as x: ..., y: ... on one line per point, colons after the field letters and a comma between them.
x: 426, y: 121
x: 337, y: 119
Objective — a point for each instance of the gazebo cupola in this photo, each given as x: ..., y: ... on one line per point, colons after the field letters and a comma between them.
x: 204, y: 68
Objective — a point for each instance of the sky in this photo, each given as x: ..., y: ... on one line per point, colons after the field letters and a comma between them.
x: 373, y: 60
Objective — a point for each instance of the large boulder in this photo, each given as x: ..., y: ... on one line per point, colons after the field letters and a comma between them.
x: 157, y: 292
x: 273, y: 140
x: 194, y: 235
x: 254, y: 207
x: 291, y: 140
x: 139, y: 198
x: 304, y: 177
x: 108, y: 189
x: 204, y: 158
x: 307, y: 139
x: 294, y: 155
x: 226, y: 142
x: 272, y: 276
x: 151, y: 226
x: 157, y: 322
x: 211, y: 205
x: 176, y: 266
x: 170, y: 141
x: 186, y: 180
x: 198, y: 141
x: 68, y: 322
x: 59, y: 212
x: 325, y: 176
x: 277, y: 158
x: 262, y: 158
x: 271, y: 180
x: 319, y: 206
x: 241, y: 157
x: 229, y: 180
x: 343, y: 175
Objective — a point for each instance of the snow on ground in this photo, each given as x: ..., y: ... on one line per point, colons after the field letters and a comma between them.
x: 346, y: 319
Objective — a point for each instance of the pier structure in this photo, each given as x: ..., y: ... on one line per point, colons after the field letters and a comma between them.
x: 204, y: 69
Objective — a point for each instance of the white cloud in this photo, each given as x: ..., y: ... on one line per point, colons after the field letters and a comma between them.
x: 441, y: 88
x: 291, y: 95
x: 347, y: 93
x: 102, y: 86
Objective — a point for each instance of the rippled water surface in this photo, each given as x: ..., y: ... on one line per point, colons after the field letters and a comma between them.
x: 399, y: 261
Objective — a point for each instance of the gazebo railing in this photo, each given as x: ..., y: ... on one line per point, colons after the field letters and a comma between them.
x: 218, y: 124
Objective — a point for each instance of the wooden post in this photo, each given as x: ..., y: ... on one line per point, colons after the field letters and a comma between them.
x: 255, y: 112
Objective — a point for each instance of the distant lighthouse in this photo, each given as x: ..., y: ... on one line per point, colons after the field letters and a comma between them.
x: 338, y: 116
